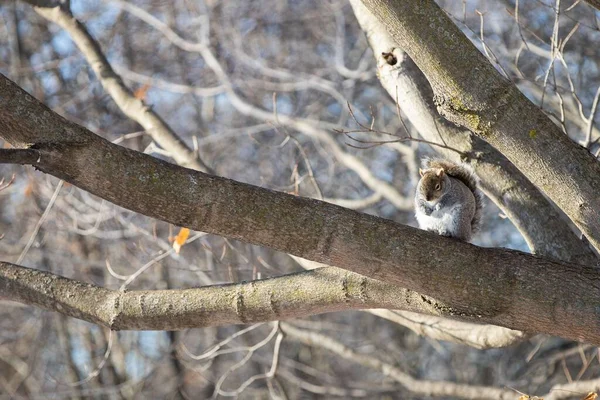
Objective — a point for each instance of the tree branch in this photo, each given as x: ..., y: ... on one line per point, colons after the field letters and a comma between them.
x: 544, y: 229
x: 298, y: 295
x: 312, y: 129
x: 416, y: 386
x: 425, y: 387
x: 567, y: 390
x: 19, y: 156
x: 594, y: 3
x: 496, y: 286
x: 470, y: 92
x: 439, y: 327
x: 131, y: 106
x: 290, y: 296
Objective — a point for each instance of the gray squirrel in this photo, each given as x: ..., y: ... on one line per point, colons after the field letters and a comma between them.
x: 448, y: 200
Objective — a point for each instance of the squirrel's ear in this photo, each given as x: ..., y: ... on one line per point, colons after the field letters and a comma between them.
x: 421, y: 172
x: 440, y: 172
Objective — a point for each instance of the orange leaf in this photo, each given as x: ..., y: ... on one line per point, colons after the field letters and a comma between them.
x: 180, y: 239
x: 29, y: 188
x: 591, y: 396
x: 141, y: 92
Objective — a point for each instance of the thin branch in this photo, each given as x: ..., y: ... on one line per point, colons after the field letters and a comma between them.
x: 131, y: 106
x: 7, y: 184
x: 594, y: 3
x: 426, y: 387
x: 413, y: 385
x: 590, y: 120
x: 39, y: 223
x: 374, y: 143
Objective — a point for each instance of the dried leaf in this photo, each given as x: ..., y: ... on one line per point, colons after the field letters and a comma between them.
x: 28, y: 189
x: 591, y: 396
x: 141, y: 92
x: 180, y: 239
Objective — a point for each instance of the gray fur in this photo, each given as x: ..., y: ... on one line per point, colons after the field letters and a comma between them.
x: 457, y: 212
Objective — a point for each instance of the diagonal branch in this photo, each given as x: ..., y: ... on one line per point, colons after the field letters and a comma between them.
x: 594, y: 3
x: 312, y: 129
x: 131, y: 106
x: 426, y: 388
x: 289, y: 296
x: 19, y: 156
x: 438, y: 326
x: 544, y: 229
x: 470, y: 92
x: 496, y: 286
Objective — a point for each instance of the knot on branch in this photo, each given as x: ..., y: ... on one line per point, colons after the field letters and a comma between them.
x: 475, y: 115
x: 389, y: 57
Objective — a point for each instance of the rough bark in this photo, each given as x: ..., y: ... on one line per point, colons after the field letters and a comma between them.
x: 289, y: 296
x: 497, y: 286
x: 470, y: 92
x: 544, y: 229
x: 594, y: 3
x: 438, y: 326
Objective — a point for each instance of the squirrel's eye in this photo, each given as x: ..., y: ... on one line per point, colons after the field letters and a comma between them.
x: 437, y: 187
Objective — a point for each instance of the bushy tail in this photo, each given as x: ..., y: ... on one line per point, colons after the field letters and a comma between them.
x: 464, y: 173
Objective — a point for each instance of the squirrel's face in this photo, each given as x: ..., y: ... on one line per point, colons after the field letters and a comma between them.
x: 432, y: 184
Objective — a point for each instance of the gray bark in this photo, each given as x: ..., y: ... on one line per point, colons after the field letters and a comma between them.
x: 497, y: 286
x: 471, y: 93
x: 545, y: 230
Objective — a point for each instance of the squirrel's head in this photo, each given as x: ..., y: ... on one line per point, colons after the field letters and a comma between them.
x: 433, y: 183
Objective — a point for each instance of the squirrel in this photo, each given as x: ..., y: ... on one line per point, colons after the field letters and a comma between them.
x: 448, y: 200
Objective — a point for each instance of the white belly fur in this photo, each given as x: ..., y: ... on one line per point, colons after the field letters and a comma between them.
x: 439, y: 221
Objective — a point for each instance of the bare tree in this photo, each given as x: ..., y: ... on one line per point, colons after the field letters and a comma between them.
x: 270, y: 161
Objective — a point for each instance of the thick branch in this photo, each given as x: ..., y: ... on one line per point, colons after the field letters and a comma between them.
x: 544, y: 229
x: 289, y: 296
x: 19, y: 156
x: 594, y: 3
x: 496, y: 286
x: 438, y: 326
x: 470, y: 92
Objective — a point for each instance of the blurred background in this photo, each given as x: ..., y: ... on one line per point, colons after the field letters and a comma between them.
x: 298, y: 61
